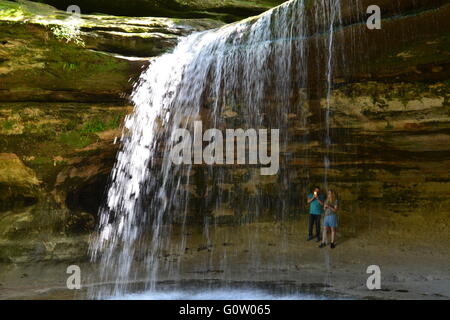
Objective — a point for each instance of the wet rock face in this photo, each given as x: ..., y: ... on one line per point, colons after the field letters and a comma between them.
x: 388, y: 149
x: 63, y: 97
x: 389, y: 123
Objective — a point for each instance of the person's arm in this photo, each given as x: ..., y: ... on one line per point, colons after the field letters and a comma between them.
x: 310, y: 199
x: 320, y: 201
x: 334, y: 208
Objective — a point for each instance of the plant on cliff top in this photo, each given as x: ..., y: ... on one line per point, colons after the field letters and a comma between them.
x: 69, y: 32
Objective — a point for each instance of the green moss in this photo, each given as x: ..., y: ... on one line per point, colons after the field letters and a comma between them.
x: 42, y: 161
x: 115, y: 122
x: 96, y: 125
x: 82, y: 66
x: 8, y: 124
x: 77, y: 139
x: 57, y: 65
x: 69, y: 66
x: 92, y: 126
x: 80, y: 137
x: 11, y: 11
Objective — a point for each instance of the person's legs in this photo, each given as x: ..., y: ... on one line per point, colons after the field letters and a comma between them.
x: 318, y: 227
x: 333, y: 235
x: 310, y: 226
x: 324, y: 236
x: 323, y: 244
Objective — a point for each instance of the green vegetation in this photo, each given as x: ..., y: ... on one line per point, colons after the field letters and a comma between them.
x: 69, y: 32
x: 86, y: 135
x: 8, y: 124
x: 96, y: 125
x: 11, y: 11
x: 42, y: 161
x: 77, y: 139
x: 41, y: 132
x: 69, y: 66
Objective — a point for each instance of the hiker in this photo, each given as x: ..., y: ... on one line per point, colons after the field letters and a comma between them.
x: 316, y: 202
x: 330, y: 220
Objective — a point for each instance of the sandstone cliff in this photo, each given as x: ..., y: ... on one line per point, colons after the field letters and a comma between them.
x: 64, y: 90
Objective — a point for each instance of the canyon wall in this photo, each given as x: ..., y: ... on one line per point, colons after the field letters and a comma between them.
x: 63, y: 97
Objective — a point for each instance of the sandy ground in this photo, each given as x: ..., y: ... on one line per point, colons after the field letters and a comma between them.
x: 414, y: 261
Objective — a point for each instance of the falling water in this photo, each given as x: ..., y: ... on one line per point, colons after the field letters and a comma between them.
x: 327, y: 163
x: 254, y: 68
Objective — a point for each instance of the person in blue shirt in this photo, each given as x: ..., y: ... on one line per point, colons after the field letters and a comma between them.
x: 316, y: 202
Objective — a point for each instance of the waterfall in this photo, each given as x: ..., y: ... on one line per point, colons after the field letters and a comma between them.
x: 257, y: 69
x: 334, y: 17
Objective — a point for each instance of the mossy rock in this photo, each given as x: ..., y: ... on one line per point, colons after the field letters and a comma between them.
x: 18, y: 184
x: 47, y: 55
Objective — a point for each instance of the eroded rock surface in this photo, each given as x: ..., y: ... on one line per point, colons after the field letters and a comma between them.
x: 64, y: 95
x: 49, y: 55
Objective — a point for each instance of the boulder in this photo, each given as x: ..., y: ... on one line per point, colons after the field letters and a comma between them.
x: 18, y: 184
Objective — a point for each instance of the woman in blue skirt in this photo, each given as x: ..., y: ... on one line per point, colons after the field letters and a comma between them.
x: 330, y: 221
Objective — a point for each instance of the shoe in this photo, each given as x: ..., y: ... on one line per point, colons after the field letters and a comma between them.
x: 322, y: 245
x: 309, y: 238
x: 333, y: 245
x: 318, y: 240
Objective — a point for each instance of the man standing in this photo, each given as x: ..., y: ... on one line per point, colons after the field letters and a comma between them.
x: 316, y: 202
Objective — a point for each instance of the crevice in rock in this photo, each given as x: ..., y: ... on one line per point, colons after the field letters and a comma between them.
x: 88, y: 196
